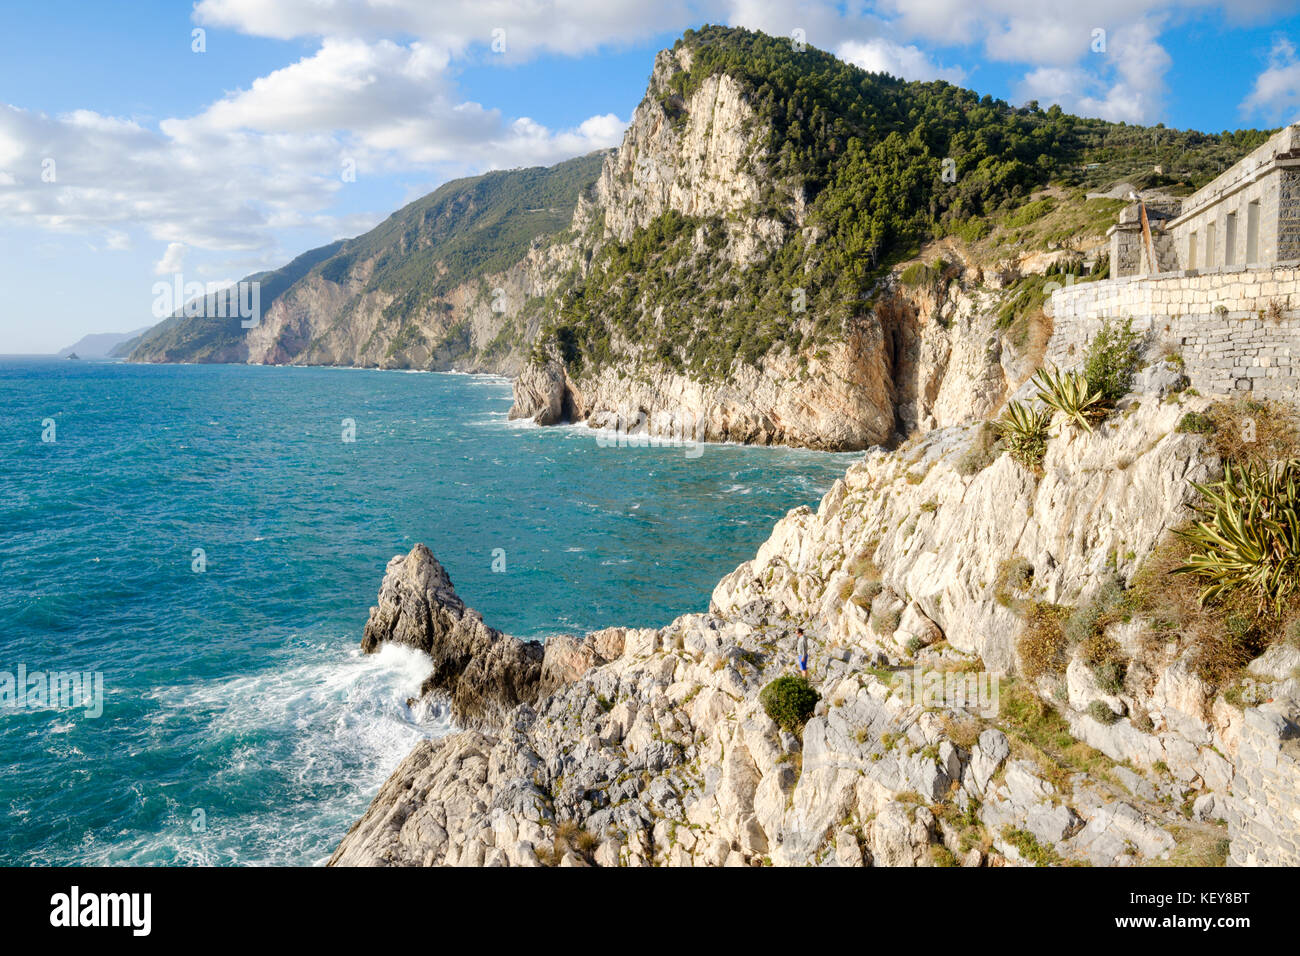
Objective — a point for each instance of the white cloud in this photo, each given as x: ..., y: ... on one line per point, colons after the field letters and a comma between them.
x: 388, y: 104
x: 268, y: 157
x: 822, y: 23
x: 172, y: 261
x: 909, y: 62
x: 1276, y: 93
x: 1055, y: 40
x: 554, y: 26
x: 1128, y: 86
x: 212, y: 192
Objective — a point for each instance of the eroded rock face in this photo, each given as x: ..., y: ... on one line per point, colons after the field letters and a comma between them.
x: 700, y: 158
x: 540, y: 392
x: 944, y: 538
x: 480, y: 671
x: 917, y: 363
x: 655, y: 745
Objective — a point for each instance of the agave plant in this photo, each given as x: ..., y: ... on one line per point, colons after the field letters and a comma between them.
x: 1248, y: 538
x: 1071, y: 395
x: 1025, y: 431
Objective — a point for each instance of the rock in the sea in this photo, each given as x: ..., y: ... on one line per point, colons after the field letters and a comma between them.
x: 482, y: 672
x: 542, y: 393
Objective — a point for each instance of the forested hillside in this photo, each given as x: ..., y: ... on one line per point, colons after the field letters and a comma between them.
x: 880, y: 164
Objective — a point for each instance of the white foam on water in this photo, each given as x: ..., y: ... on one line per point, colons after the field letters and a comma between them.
x: 308, y: 745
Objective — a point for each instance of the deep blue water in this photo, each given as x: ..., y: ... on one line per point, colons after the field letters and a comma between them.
x: 238, y: 691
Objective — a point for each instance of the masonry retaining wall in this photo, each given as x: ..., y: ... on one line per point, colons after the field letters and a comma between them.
x: 1238, y: 330
x: 1264, y: 810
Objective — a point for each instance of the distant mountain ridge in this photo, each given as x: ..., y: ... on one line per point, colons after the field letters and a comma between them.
x: 101, y: 344
x: 439, y: 284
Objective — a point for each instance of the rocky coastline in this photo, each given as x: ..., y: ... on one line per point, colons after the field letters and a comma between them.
x: 651, y: 747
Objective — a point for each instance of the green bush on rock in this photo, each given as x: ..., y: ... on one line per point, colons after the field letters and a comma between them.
x: 789, y: 701
x: 1112, y: 361
x: 1024, y: 432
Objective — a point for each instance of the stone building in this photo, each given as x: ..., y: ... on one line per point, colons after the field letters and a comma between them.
x: 1249, y: 217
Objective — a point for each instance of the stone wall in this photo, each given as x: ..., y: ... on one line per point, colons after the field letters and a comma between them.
x: 1238, y: 330
x: 1226, y: 243
x: 1264, y: 812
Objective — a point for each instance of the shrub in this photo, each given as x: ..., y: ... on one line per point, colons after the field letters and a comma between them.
x: 940, y: 855
x: 1220, y: 656
x: 1196, y: 423
x: 789, y: 701
x: 919, y: 274
x: 1102, y: 655
x: 1042, y: 643
x: 1102, y: 714
x: 1113, y: 360
x: 983, y: 451
x: 568, y: 836
x: 1247, y: 429
x: 1248, y: 538
x: 865, y: 592
x: 1014, y: 574
x: 1024, y: 432
x: 963, y: 731
x: 887, y: 623
x: 1085, y: 626
x: 1083, y: 623
x: 1029, y: 848
x: 862, y: 566
x: 1071, y: 394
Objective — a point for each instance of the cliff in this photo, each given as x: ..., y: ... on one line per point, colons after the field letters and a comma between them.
x: 738, y: 259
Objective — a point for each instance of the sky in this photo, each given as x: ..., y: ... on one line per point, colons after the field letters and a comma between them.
x: 141, y: 141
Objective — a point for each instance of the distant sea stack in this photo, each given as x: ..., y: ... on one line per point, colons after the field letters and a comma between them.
x: 103, y: 344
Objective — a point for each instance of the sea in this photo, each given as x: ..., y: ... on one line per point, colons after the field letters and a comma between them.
x: 188, y: 554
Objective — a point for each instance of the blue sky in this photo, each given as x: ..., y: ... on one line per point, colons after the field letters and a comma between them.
x: 217, y: 163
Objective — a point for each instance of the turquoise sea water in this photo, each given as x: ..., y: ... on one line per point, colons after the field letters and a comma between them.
x: 240, y: 723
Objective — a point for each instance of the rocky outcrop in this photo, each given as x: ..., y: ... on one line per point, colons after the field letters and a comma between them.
x: 943, y: 530
x: 543, y: 393
x: 482, y: 673
x: 701, y: 157
x: 664, y: 755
